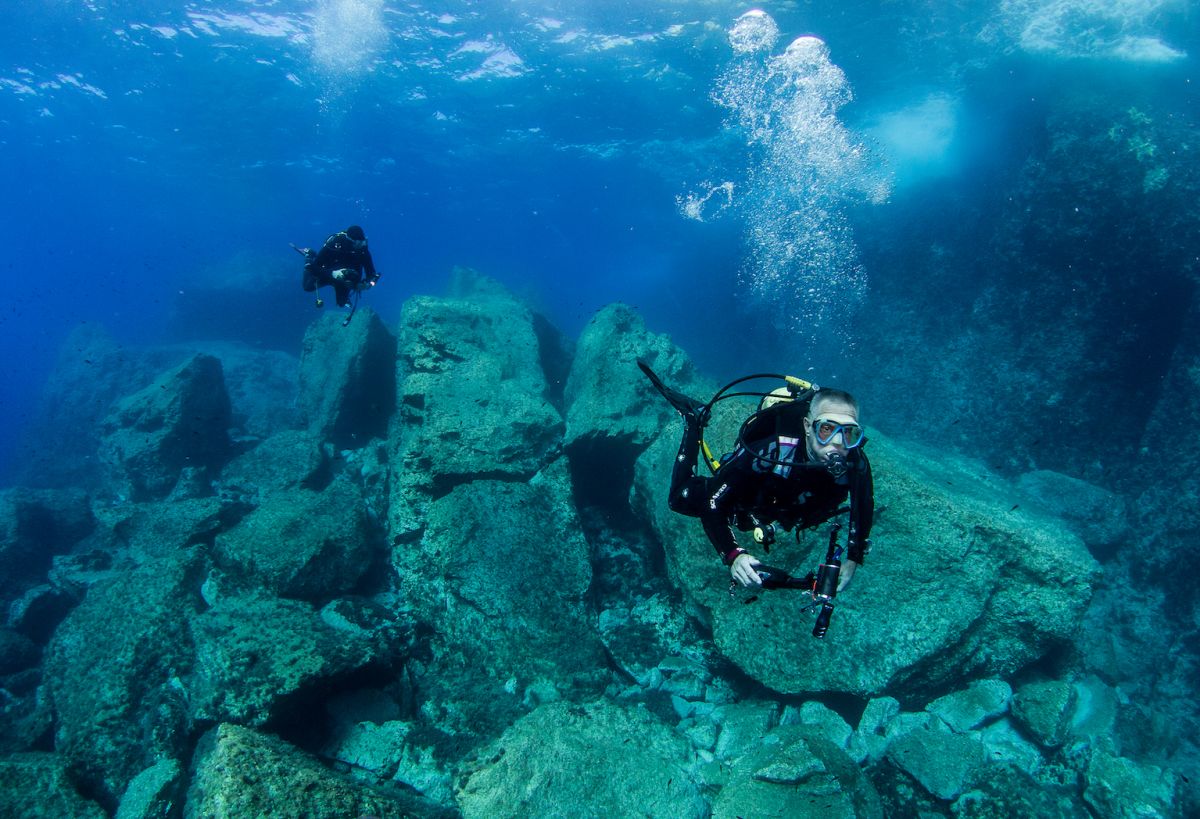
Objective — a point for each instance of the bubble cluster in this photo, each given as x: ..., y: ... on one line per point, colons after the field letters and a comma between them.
x: 702, y: 207
x: 347, y: 35
x: 806, y: 168
x: 753, y: 31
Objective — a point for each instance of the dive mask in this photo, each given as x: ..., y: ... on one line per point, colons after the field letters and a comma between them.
x: 826, y: 430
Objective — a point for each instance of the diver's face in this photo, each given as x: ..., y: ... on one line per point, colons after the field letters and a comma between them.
x: 825, y: 428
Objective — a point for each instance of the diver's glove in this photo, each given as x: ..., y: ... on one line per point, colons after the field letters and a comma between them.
x: 742, y: 569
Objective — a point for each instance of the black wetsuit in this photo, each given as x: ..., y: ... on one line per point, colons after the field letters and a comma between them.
x: 748, y: 491
x: 340, y: 252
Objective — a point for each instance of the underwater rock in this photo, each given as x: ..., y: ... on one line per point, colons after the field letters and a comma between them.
x: 823, y: 720
x: 794, y: 772
x: 1005, y: 744
x: 114, y: 672
x: 391, y: 751
x: 26, y: 723
x: 1002, y: 792
x: 17, y: 652
x: 241, y: 772
x: 1010, y: 589
x: 257, y: 657
x: 870, y: 739
x: 944, y: 763
x: 499, y: 581
x: 38, y: 786
x: 981, y: 701
x: 612, y: 410
x: 1045, y: 709
x: 36, y: 525
x: 287, y: 460
x: 583, y: 760
x: 155, y: 793
x: 303, y: 544
x: 348, y: 378
x: 742, y: 726
x: 1117, y: 787
x: 1097, y: 515
x: 471, y: 397
x: 92, y: 373
x: 149, y: 530
x: 262, y: 386
x: 180, y: 420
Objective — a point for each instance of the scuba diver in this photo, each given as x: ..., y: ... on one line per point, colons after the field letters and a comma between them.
x: 343, y: 263
x: 797, y: 459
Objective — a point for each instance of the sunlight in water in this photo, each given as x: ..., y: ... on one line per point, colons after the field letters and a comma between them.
x: 347, y: 35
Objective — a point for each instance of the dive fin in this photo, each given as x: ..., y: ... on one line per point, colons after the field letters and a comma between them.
x: 685, y: 406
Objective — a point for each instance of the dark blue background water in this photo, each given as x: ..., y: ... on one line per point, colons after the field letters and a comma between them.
x: 150, y: 156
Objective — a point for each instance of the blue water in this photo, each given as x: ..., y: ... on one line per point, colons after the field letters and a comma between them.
x: 149, y: 152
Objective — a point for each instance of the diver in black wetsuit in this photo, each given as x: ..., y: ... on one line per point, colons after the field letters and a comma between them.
x: 343, y: 263
x: 797, y: 462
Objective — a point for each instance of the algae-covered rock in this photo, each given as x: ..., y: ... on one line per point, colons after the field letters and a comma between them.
x: 181, y: 420
x: 979, y: 702
x: 348, y: 378
x: 593, y: 760
x: 150, y: 530
x: 392, y: 751
x: 288, y: 460
x: 38, y: 786
x: 472, y: 396
x: 958, y: 584
x: 303, y: 544
x: 499, y: 581
x: 1118, y: 787
x: 609, y: 402
x: 240, y: 772
x: 36, y: 525
x: 257, y: 654
x: 114, y: 672
x: 1096, y: 514
x: 944, y: 763
x: 870, y: 739
x: 155, y: 793
x: 1045, y: 710
x: 794, y: 772
x: 1004, y: 792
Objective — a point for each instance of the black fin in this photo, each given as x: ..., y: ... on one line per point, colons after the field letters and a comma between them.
x: 687, y: 407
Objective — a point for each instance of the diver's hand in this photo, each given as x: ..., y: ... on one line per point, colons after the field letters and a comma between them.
x: 849, y: 567
x: 742, y: 569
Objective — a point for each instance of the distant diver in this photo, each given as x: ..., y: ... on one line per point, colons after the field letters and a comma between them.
x: 343, y: 263
x: 796, y: 461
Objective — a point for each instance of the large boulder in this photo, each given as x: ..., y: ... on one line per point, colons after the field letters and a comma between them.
x: 262, y: 387
x: 180, y: 421
x: 610, y: 403
x: 115, y: 669
x: 303, y: 544
x: 473, y: 398
x: 613, y: 412
x: 499, y: 581
x: 1119, y: 787
x: 591, y: 760
x: 793, y: 771
x: 347, y: 378
x: 259, y: 657
x: 287, y: 460
x: 34, y: 527
x: 92, y: 373
x: 38, y: 786
x: 983, y: 589
x: 240, y: 772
